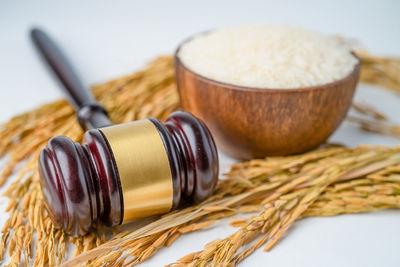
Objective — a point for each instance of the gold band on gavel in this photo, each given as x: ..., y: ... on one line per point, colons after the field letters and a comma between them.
x: 143, y: 168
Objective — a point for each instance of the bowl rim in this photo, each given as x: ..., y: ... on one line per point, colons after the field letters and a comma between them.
x: 178, y: 61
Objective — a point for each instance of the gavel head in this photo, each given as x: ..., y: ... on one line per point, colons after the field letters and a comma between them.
x: 127, y: 171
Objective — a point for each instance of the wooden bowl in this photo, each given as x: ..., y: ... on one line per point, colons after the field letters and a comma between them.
x: 252, y: 122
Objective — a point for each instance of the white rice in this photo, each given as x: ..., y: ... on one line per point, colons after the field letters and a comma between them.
x: 268, y: 56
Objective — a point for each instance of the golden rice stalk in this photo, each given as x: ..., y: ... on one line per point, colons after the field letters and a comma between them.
x: 150, y: 92
x: 383, y: 72
x: 368, y: 110
x: 284, y: 205
x: 285, y: 186
x: 376, y: 126
x: 380, y: 71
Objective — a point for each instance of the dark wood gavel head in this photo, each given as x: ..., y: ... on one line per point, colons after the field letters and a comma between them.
x: 127, y: 171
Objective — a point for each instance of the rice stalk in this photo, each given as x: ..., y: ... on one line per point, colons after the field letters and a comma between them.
x: 29, y: 238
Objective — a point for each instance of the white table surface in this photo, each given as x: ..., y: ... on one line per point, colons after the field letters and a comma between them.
x: 106, y: 39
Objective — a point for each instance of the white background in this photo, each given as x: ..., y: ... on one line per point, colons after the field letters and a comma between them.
x: 108, y: 39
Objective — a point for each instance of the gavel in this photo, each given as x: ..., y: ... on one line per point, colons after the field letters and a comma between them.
x: 120, y: 172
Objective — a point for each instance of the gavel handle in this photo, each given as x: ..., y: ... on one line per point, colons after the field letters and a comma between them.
x: 90, y: 113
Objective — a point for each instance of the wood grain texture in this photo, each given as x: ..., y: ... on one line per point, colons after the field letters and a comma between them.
x: 251, y: 122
